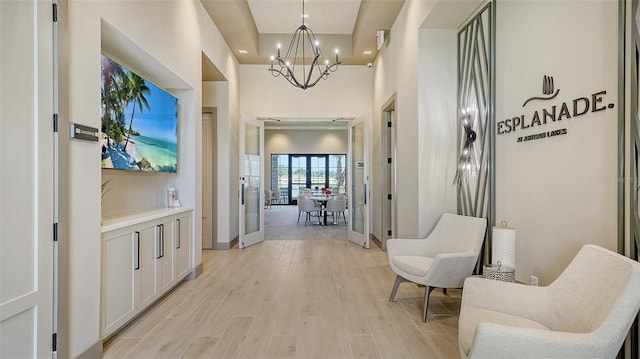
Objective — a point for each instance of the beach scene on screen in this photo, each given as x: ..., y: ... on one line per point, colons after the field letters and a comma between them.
x: 139, y: 122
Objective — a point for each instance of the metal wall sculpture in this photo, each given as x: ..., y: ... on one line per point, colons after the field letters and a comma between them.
x: 476, y: 115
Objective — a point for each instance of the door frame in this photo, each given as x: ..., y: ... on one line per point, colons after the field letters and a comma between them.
x: 388, y: 208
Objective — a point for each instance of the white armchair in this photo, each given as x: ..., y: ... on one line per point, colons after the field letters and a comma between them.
x: 442, y: 260
x: 585, y: 313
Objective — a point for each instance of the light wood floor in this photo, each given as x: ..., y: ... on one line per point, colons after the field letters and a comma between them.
x: 293, y: 299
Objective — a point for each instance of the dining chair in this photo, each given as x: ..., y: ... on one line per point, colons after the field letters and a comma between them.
x: 336, y: 207
x: 276, y: 196
x: 267, y: 197
x: 307, y: 207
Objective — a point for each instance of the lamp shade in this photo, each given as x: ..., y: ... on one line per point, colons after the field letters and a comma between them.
x: 504, y: 245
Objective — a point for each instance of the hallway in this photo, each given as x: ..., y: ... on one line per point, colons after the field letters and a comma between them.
x: 281, y: 222
x: 293, y: 299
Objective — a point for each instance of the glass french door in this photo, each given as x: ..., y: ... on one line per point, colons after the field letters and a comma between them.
x: 292, y: 173
x: 252, y: 189
x: 359, y: 183
x: 307, y: 171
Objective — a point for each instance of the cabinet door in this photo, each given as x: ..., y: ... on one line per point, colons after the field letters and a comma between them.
x: 183, y: 246
x: 146, y: 273
x: 117, y: 280
x: 164, y: 257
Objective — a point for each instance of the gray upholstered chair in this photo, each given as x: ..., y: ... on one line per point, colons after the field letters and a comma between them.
x: 585, y: 313
x: 442, y: 260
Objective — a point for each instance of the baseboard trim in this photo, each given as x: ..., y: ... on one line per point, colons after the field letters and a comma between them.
x: 222, y: 246
x: 376, y: 240
x: 196, y: 272
x: 94, y: 351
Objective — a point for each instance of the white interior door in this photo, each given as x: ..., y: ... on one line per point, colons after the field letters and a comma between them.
x: 359, y: 183
x: 27, y: 155
x: 208, y: 172
x: 251, y: 182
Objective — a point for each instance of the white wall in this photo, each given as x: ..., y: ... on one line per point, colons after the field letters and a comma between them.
x: 304, y: 141
x: 346, y: 93
x: 216, y: 94
x: 418, y: 68
x: 559, y: 192
x: 437, y: 108
x: 163, y: 40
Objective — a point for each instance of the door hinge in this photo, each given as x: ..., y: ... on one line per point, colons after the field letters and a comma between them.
x: 54, y: 342
x: 55, y: 232
x: 389, y: 124
x: 55, y: 12
x: 389, y: 196
x: 389, y: 160
x: 55, y: 122
x: 389, y: 233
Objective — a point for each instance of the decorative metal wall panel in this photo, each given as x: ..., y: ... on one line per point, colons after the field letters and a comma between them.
x: 634, y: 246
x: 476, y: 116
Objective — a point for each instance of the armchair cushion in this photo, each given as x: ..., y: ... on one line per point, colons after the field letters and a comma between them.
x: 475, y: 316
x: 414, y: 265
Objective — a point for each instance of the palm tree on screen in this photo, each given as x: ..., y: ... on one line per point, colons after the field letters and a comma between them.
x: 110, y: 73
x: 136, y: 94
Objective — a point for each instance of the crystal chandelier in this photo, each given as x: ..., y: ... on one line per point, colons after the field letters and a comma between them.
x: 294, y: 66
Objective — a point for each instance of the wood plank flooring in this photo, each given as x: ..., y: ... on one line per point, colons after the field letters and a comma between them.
x: 288, y: 298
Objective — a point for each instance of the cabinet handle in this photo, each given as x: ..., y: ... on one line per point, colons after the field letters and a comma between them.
x: 158, y: 241
x: 137, y: 250
x: 162, y: 240
x: 178, y: 220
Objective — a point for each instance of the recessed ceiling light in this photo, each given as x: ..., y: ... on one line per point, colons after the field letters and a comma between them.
x: 243, y: 51
x: 367, y: 52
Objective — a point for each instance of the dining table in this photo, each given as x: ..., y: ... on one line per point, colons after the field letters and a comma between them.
x: 322, y: 199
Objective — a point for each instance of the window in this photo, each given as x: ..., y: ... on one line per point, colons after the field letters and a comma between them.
x: 292, y: 173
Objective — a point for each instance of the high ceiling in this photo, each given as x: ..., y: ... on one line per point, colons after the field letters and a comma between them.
x: 258, y: 25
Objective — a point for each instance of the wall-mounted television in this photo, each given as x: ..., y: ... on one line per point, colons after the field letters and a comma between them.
x: 139, y: 122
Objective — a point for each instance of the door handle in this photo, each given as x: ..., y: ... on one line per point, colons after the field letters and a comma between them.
x: 242, y: 194
x: 365, y: 193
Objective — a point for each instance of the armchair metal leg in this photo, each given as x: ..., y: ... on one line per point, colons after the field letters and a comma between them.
x: 399, y: 280
x: 427, y: 291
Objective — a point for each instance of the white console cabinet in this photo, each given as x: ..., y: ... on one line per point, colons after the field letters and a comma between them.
x: 143, y: 257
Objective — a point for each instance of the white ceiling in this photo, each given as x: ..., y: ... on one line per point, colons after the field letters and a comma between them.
x: 323, y: 16
x: 257, y: 25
